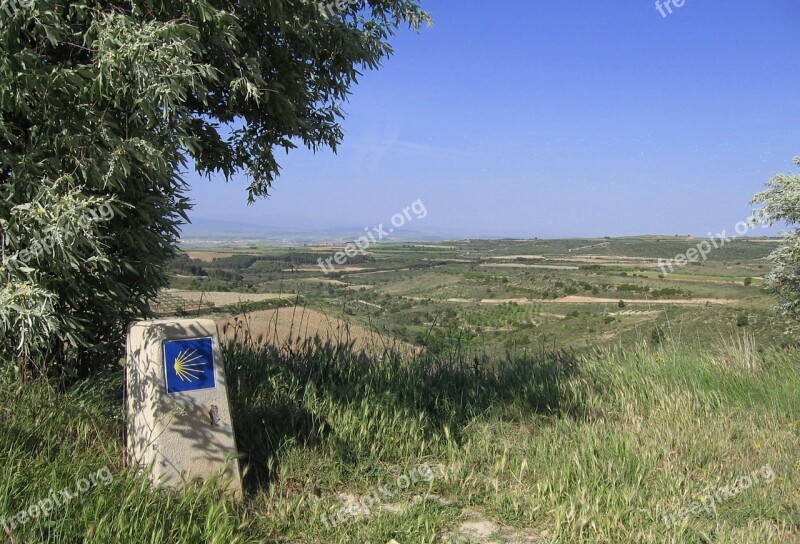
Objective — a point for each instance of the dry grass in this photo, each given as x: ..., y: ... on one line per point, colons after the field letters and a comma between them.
x: 737, y: 351
x: 291, y: 325
x: 574, y: 299
x: 318, y: 269
x: 208, y: 256
x: 221, y: 298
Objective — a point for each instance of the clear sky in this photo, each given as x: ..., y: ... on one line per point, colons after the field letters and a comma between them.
x: 554, y: 118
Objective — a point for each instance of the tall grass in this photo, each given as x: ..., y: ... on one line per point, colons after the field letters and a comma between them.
x: 548, y: 447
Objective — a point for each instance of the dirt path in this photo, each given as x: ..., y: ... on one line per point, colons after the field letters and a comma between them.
x: 602, y: 244
x: 224, y: 298
x: 542, y: 266
x: 324, y: 280
x: 336, y: 268
x: 574, y: 299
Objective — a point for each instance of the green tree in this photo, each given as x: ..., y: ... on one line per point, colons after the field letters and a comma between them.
x: 781, y: 202
x: 104, y: 105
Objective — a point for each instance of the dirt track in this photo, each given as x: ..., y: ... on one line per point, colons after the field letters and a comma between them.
x: 224, y: 298
x: 593, y: 300
x: 574, y: 299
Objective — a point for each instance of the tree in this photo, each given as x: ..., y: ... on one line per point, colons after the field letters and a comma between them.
x: 781, y: 202
x: 103, y: 105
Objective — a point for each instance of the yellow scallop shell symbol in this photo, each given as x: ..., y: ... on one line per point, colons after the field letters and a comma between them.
x: 187, y: 367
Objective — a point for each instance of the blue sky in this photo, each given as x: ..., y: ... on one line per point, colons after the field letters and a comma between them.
x: 553, y: 118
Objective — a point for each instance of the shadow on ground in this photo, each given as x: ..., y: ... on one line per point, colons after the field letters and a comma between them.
x: 287, y: 394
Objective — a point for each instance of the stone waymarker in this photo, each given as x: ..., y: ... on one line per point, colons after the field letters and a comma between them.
x: 179, y: 421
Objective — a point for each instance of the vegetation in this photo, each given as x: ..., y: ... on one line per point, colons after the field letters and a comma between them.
x: 545, y: 391
x: 782, y: 204
x: 547, y: 447
x: 490, y: 296
x: 103, y: 104
x: 544, y: 409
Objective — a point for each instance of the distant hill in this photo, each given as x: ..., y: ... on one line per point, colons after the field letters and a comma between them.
x: 211, y: 232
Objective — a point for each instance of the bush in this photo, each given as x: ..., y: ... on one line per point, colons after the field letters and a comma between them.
x: 742, y: 320
x: 657, y: 335
x: 782, y: 203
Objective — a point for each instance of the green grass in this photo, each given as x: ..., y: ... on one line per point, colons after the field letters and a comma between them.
x: 553, y: 447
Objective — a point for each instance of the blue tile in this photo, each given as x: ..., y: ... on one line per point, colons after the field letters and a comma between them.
x: 189, y: 364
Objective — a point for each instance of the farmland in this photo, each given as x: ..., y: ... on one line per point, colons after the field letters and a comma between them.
x: 495, y: 296
x: 575, y: 395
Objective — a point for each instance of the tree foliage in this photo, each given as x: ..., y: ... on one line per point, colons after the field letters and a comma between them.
x: 103, y: 105
x: 781, y: 202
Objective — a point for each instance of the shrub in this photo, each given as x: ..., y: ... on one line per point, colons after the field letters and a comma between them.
x: 742, y: 320
x: 657, y: 335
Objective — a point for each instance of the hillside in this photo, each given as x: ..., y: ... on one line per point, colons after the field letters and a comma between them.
x: 543, y: 448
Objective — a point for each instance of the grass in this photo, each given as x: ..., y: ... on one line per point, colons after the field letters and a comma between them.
x: 542, y: 448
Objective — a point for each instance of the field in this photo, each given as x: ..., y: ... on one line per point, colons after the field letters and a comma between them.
x: 492, y: 296
x: 423, y: 394
x: 293, y: 325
